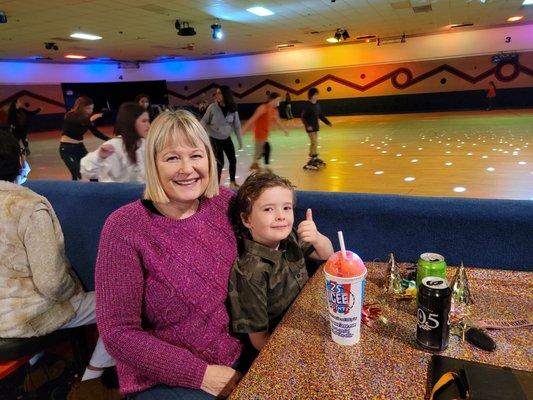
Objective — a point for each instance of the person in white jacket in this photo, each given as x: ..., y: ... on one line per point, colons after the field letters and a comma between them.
x: 121, y: 159
x: 220, y: 120
x: 40, y: 292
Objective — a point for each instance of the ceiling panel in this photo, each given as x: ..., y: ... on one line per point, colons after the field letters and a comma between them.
x: 144, y: 30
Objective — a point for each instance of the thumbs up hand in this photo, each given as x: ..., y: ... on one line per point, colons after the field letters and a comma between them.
x: 308, y: 233
x: 307, y: 230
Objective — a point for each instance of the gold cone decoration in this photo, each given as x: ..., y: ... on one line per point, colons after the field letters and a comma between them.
x: 462, y: 297
x: 393, y: 279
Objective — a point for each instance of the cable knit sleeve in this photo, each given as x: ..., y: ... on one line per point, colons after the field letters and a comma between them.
x: 119, y: 299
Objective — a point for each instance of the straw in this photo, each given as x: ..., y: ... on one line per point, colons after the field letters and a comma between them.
x: 341, y: 241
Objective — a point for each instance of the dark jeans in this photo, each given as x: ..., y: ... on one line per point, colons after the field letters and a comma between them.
x: 22, y: 136
x: 490, y: 103
x: 72, y: 153
x: 288, y: 111
x: 221, y: 147
x: 266, y: 152
x: 164, y: 392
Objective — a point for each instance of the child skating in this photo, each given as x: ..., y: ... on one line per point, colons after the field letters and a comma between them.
x: 262, y: 120
x: 310, y: 115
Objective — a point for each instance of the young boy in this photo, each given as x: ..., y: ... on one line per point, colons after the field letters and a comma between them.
x: 270, y: 271
x: 310, y: 115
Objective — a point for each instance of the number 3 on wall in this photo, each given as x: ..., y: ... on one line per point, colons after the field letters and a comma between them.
x: 508, y: 39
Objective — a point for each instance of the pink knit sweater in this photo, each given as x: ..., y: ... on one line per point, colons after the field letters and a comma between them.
x: 161, y: 287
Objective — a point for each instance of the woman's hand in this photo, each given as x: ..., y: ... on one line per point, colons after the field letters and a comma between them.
x: 105, y: 151
x: 94, y: 117
x: 220, y: 380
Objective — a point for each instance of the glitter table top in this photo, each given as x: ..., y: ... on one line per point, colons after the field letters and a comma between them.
x: 301, y: 361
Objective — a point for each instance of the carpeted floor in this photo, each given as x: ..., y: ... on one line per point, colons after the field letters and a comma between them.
x: 50, y: 379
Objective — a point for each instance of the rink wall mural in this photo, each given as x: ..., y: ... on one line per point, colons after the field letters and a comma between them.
x: 435, y: 85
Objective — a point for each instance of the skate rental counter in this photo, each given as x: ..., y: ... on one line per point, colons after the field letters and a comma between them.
x: 301, y: 361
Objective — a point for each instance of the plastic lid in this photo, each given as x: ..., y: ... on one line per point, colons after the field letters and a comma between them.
x: 350, y: 267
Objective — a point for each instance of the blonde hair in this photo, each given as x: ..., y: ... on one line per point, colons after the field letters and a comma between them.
x: 176, y: 128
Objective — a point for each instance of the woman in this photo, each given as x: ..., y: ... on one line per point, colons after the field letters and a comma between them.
x: 144, y: 101
x: 77, y: 122
x: 220, y: 120
x: 19, y: 121
x: 40, y: 291
x: 261, y: 120
x: 121, y: 159
x: 288, y: 106
x: 162, y: 272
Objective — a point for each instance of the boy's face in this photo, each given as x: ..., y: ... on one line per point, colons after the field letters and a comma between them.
x: 314, y: 98
x: 272, y: 216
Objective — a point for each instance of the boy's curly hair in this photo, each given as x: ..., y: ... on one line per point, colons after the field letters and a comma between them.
x: 249, y: 192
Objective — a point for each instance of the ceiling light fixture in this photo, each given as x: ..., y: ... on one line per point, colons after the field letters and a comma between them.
x: 184, y: 29
x: 339, y: 35
x: 514, y: 19
x: 216, y: 31
x: 85, y: 36
x: 50, y: 46
x: 260, y: 11
x: 527, y: 2
x: 390, y: 40
x: 75, y: 57
x: 461, y: 25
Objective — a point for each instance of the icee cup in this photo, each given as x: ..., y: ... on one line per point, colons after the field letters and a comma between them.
x: 345, y: 285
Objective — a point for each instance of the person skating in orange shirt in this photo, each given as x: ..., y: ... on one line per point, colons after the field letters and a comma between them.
x: 491, y: 95
x: 262, y: 120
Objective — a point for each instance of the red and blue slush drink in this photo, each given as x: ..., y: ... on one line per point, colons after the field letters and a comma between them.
x: 345, y: 284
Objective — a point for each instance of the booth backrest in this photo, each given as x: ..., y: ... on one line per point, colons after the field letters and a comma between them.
x: 481, y: 233
x: 82, y: 208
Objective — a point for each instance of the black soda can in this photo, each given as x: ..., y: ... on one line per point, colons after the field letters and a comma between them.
x: 433, y: 312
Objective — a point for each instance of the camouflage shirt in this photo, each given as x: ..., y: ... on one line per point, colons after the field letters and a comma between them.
x: 264, y: 282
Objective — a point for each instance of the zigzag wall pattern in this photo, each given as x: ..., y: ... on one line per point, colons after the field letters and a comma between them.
x: 36, y: 96
x: 393, y: 76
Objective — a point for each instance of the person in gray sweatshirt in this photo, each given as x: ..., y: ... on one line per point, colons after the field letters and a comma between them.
x: 220, y: 120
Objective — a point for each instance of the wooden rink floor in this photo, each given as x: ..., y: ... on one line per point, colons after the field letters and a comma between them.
x: 454, y: 154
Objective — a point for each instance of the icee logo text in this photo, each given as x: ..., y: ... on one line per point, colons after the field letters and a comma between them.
x: 340, y: 298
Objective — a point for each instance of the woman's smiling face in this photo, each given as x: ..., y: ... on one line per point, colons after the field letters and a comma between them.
x: 183, y: 172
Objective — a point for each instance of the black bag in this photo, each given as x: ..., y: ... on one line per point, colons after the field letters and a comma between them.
x: 451, y: 378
